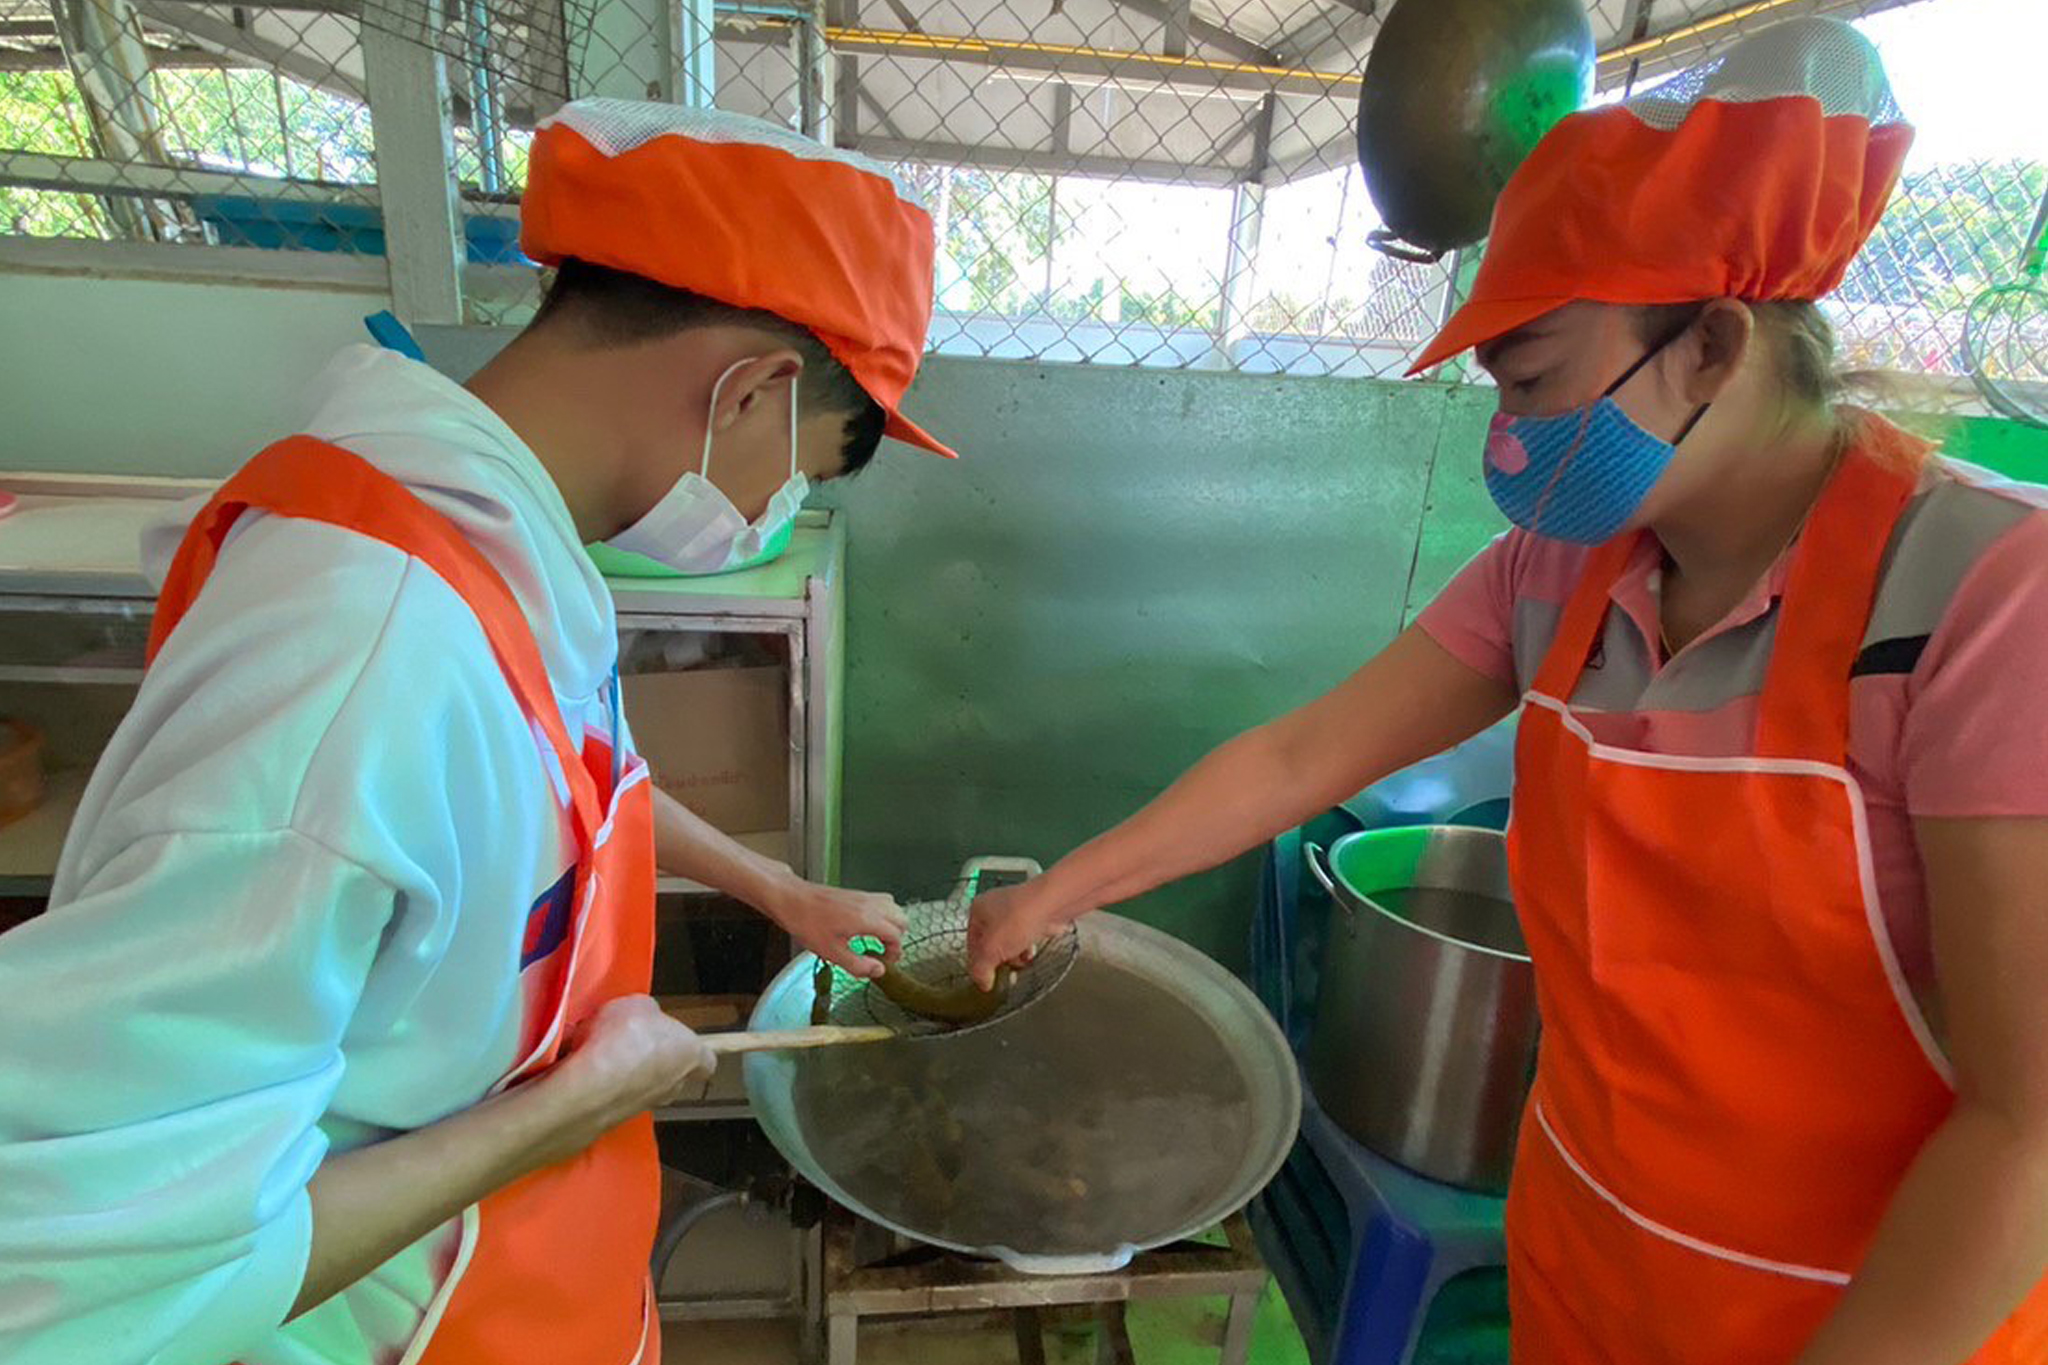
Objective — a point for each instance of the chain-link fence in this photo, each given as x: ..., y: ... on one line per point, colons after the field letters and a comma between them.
x: 1157, y: 182
x: 158, y: 120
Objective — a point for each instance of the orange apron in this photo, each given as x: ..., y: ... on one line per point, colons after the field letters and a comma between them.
x: 1734, y: 1076
x: 554, y: 1267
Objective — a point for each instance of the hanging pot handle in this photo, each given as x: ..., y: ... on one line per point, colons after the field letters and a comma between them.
x: 1389, y: 244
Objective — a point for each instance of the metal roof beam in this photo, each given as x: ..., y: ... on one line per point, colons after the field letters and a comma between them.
x: 90, y: 175
x: 347, y: 7
x: 160, y: 59
x: 1680, y: 46
x: 1179, y: 15
x: 1333, y: 37
x: 1335, y: 41
x: 231, y: 40
x: 1188, y: 74
x: 1045, y: 162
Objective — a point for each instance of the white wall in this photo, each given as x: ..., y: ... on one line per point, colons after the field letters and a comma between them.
x: 128, y: 375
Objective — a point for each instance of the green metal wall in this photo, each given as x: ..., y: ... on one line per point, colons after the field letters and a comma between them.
x: 1125, y: 569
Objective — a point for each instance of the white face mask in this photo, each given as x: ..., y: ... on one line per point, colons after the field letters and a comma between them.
x: 695, y: 529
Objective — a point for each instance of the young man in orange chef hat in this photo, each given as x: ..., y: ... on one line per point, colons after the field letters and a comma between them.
x: 335, y: 1045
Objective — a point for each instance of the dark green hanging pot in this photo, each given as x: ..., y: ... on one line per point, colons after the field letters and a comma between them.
x: 1456, y: 94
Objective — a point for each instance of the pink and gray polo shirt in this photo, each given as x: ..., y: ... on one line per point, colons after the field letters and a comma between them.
x: 1949, y: 696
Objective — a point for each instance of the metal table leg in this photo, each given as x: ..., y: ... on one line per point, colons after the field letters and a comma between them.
x: 1237, y: 1328
x: 810, y: 1287
x: 842, y: 1339
x: 1113, y: 1336
x: 1030, y: 1336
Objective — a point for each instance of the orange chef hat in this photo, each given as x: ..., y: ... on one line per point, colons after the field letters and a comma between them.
x: 1757, y: 175
x: 750, y: 214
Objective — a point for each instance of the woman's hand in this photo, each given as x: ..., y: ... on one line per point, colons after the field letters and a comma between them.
x: 826, y: 920
x: 1008, y: 923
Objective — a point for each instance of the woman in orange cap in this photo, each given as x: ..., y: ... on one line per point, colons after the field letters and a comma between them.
x: 1781, y: 801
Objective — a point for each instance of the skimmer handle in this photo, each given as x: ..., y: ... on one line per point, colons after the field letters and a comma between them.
x: 793, y: 1039
x: 2034, y: 251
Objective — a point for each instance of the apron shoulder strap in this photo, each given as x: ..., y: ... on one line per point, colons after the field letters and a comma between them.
x: 317, y: 481
x: 1829, y: 594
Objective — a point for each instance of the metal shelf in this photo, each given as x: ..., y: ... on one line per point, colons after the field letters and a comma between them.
x: 68, y: 542
x: 724, y: 1096
x: 81, y: 537
x: 70, y: 675
x: 723, y: 1099
x: 29, y: 847
x: 778, y: 591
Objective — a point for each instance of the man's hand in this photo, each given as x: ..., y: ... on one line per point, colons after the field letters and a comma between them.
x: 826, y: 920
x: 371, y: 1203
x: 1008, y: 923
x: 628, y: 1058
x: 823, y: 919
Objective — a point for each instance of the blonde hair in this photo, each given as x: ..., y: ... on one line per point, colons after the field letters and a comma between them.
x: 1803, y: 359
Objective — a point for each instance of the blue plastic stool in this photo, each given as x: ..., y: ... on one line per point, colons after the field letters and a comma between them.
x: 1362, y: 1249
x: 1361, y: 1246
x: 1410, y: 1237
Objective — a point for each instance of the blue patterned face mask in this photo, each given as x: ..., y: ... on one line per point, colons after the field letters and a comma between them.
x: 1578, y: 476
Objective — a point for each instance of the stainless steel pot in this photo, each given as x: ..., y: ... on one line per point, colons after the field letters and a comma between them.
x: 1424, y: 1040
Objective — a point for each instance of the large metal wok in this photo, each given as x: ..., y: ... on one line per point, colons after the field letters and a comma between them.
x: 1456, y: 94
x: 1144, y: 1099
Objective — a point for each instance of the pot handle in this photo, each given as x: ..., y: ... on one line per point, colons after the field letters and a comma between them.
x: 1319, y: 868
x: 1391, y: 244
x: 1108, y: 1263
x: 975, y: 869
x: 1024, y: 867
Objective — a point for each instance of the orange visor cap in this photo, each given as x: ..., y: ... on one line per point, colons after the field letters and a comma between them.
x: 750, y: 214
x: 1756, y: 175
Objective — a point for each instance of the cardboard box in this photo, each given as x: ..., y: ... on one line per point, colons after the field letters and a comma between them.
x: 717, y: 740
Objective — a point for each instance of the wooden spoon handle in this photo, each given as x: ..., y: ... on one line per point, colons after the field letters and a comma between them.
x: 789, y: 1039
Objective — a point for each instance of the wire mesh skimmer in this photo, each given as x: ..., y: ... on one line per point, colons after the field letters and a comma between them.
x: 927, y: 992
x: 2005, y: 335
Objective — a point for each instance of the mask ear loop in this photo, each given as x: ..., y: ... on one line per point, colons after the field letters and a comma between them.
x: 1586, y: 419
x: 1690, y: 423
x: 711, y: 416
x: 1655, y: 351
x: 792, y: 420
